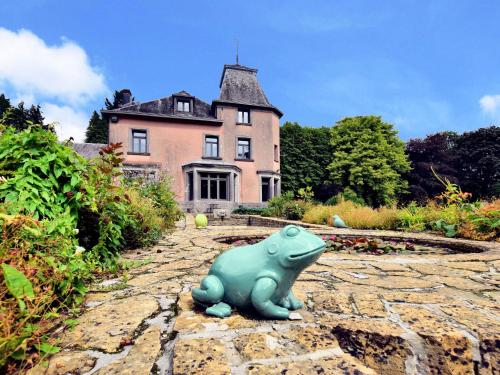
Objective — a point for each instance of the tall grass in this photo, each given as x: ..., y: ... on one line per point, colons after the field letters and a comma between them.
x: 355, y: 216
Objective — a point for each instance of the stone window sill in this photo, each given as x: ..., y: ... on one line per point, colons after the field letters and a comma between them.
x: 244, y: 123
x: 139, y: 153
x: 243, y: 159
x: 211, y: 157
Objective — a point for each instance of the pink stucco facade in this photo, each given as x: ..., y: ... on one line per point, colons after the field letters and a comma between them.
x: 176, y: 145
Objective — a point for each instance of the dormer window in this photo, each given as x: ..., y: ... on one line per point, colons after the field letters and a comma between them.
x: 183, y: 105
x: 243, y: 116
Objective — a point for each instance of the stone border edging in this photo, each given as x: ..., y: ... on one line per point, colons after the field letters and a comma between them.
x: 454, y: 243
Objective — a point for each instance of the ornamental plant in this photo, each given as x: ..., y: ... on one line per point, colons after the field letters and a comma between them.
x: 42, y: 177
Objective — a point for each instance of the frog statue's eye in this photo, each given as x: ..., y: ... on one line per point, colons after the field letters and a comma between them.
x: 292, y: 231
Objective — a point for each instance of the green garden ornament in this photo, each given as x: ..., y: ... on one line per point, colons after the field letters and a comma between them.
x: 201, y: 221
x: 260, y: 276
x: 338, y: 222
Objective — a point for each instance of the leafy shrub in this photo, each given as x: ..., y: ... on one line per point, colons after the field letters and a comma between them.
x: 412, y: 217
x: 250, y: 210
x: 277, y: 204
x: 144, y: 225
x: 293, y: 211
x: 47, y: 191
x: 347, y: 195
x: 49, y: 274
x: 107, y: 209
x: 483, y: 223
x: 43, y: 177
x: 160, y: 192
x: 306, y: 194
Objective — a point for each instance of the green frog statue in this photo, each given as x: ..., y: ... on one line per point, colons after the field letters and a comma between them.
x: 260, y: 277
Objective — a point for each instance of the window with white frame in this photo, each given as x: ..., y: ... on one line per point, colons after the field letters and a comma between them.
x: 243, y: 149
x: 183, y: 105
x: 243, y: 116
x: 139, y: 141
x: 211, y: 146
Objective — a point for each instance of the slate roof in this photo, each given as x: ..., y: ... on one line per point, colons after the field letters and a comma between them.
x: 164, y: 108
x: 239, y: 85
x: 88, y: 150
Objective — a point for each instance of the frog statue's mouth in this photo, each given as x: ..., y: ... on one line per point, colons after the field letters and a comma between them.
x: 306, y: 254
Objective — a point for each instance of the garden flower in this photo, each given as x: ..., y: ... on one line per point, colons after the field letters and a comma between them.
x: 79, y: 250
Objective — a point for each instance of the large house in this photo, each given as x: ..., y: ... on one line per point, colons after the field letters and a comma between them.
x: 220, y: 155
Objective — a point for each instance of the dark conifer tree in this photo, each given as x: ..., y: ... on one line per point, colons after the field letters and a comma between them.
x: 97, y: 131
x: 34, y: 114
x: 4, y: 104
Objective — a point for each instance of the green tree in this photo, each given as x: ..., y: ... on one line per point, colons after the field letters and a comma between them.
x: 368, y: 158
x: 4, y: 104
x: 305, y: 154
x: 478, y: 155
x: 20, y: 118
x: 97, y: 131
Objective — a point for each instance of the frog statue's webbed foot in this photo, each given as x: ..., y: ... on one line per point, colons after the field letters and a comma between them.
x: 290, y: 302
x: 220, y: 310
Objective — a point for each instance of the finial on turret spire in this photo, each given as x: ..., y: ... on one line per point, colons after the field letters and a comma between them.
x: 237, y: 52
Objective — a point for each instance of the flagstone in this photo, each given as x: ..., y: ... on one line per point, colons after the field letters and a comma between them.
x: 369, y: 305
x: 140, y: 359
x: 471, y: 266
x: 449, y: 350
x: 65, y: 363
x: 434, y: 269
x: 106, y: 326
x: 380, y: 345
x: 344, y: 364
x: 152, y: 277
x: 336, y: 302
x: 458, y: 282
x: 200, y: 356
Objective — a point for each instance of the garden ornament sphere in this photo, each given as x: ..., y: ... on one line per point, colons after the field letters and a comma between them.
x: 201, y: 221
x: 260, y: 276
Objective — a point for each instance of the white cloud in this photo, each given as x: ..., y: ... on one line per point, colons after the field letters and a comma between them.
x: 34, y: 68
x: 69, y: 122
x: 490, y: 104
x: 60, y: 76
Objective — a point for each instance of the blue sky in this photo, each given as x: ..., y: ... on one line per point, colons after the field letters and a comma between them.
x: 423, y: 65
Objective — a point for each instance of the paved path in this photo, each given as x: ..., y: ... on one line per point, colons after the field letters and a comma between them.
x: 364, y: 315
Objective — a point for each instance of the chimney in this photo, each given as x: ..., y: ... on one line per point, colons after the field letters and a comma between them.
x: 126, y: 97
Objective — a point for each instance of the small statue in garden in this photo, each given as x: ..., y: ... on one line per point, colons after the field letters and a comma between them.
x: 338, y: 222
x: 260, y: 276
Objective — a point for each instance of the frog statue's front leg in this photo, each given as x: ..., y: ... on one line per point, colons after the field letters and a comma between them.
x: 262, y: 292
x: 290, y: 302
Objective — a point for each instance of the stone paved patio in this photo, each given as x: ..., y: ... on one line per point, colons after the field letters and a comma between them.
x: 364, y: 314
